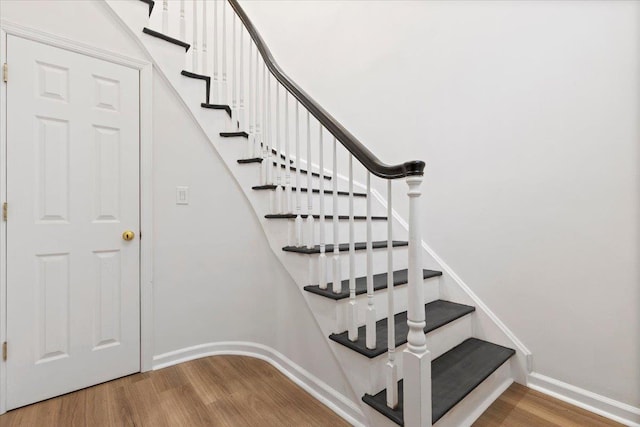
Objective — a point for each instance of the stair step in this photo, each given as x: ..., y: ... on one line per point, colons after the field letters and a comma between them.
x: 233, y: 134
x: 153, y: 33
x: 454, y: 375
x: 304, y: 190
x: 343, y: 247
x: 206, y: 79
x: 316, y: 216
x: 151, y: 3
x: 302, y: 171
x: 217, y: 107
x: 379, y: 282
x: 259, y: 160
x: 438, y: 313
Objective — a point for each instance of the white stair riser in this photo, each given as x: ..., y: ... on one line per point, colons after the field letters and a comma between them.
x: 169, y: 56
x: 431, y: 293
x: 336, y: 311
x: 359, y: 204
x: 300, y: 263
x: 378, y: 230
x: 193, y: 88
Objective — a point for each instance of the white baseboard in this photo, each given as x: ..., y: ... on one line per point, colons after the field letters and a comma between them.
x: 337, y: 402
x: 601, y: 405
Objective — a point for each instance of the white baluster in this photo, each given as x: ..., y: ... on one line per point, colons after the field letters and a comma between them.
x: 264, y: 166
x: 371, y: 309
x: 286, y: 200
x: 241, y: 117
x: 309, y: 235
x: 352, y: 314
x: 279, y: 189
x: 183, y: 25
x: 298, y: 189
x: 234, y: 76
x: 416, y: 359
x: 194, y: 44
x: 310, y: 220
x: 269, y: 136
x: 322, y: 259
x: 216, y: 81
x: 256, y: 113
x: 337, y: 274
x: 252, y: 137
x: 224, y: 90
x: 286, y: 208
x: 205, y: 24
x: 392, y: 367
x: 165, y: 17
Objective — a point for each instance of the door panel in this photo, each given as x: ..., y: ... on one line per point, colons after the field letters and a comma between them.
x: 72, y: 188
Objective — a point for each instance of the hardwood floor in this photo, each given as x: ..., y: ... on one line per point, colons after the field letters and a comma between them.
x: 213, y: 391
x: 243, y: 391
x: 520, y: 406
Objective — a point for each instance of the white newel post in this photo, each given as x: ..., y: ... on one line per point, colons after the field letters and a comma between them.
x: 416, y: 358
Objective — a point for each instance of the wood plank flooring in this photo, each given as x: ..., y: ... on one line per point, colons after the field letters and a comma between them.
x: 243, y: 391
x: 213, y: 391
x: 520, y: 406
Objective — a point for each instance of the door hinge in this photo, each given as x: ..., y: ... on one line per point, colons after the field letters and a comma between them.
x: 5, y: 72
x: 4, y: 211
x: 4, y: 351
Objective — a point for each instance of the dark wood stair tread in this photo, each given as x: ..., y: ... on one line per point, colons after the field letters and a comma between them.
x: 379, y: 282
x: 454, y: 375
x: 328, y: 217
x: 438, y: 313
x: 304, y: 190
x: 234, y: 134
x: 164, y: 37
x: 302, y: 171
x: 217, y: 107
x: 343, y: 247
x: 259, y: 159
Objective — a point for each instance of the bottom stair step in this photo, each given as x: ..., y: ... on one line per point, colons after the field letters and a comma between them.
x: 454, y: 375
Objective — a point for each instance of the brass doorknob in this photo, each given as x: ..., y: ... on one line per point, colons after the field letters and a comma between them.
x: 128, y: 235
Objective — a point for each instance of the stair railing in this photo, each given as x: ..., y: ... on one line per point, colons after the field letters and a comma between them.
x: 266, y: 115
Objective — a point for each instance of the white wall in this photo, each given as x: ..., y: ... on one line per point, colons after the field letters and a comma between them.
x: 527, y: 116
x: 215, y: 276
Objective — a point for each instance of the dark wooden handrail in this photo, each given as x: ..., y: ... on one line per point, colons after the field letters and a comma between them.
x: 350, y: 142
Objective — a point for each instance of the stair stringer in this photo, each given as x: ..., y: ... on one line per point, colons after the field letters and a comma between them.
x: 202, y: 116
x: 485, y: 325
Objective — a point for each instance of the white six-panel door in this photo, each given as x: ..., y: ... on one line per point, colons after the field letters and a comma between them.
x: 72, y: 189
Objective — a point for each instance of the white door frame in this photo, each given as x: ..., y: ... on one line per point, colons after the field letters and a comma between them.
x: 146, y: 181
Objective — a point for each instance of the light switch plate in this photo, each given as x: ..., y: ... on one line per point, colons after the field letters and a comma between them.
x: 182, y: 195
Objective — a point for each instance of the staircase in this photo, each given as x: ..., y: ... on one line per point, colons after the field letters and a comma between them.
x: 406, y: 337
